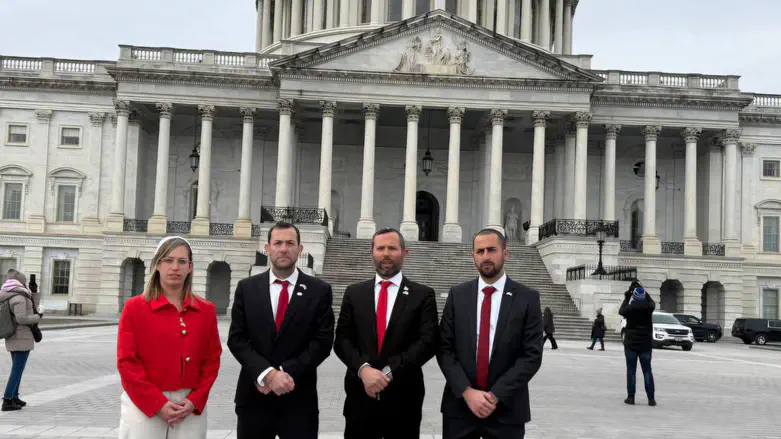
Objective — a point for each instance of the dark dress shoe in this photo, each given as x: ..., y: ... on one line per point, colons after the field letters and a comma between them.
x: 9, y: 405
x: 630, y: 400
x: 652, y: 402
x: 19, y: 401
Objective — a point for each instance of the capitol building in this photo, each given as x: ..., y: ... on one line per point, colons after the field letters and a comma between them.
x: 436, y: 117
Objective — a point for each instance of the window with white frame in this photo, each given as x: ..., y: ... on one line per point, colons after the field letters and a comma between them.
x: 70, y: 137
x: 66, y: 203
x: 770, y: 234
x: 769, y: 303
x: 193, y: 200
x: 17, y: 134
x: 5, y: 265
x: 61, y: 277
x: 12, y: 201
x: 771, y: 168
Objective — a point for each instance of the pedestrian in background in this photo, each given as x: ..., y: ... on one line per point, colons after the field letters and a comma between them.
x: 638, y: 308
x: 168, y: 351
x: 23, y: 306
x: 598, y: 331
x: 549, y: 328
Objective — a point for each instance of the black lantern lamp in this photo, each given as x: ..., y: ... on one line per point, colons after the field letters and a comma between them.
x: 428, y: 161
x: 600, y: 271
x: 195, y: 156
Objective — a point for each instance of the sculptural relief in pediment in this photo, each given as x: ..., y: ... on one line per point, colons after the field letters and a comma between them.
x: 436, y: 55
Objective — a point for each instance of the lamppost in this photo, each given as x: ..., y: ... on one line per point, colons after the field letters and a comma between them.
x: 600, y: 271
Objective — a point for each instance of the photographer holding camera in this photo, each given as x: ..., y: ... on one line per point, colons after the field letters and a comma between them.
x: 637, y: 309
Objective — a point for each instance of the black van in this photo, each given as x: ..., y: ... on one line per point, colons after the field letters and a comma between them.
x: 760, y: 331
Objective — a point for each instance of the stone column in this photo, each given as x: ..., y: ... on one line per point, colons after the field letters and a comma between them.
x: 284, y: 155
x: 609, y: 180
x: 488, y: 14
x: 582, y: 121
x: 266, y: 30
x: 326, y: 158
x: 242, y: 228
x: 317, y: 14
x: 567, y: 43
x: 570, y: 154
x: 159, y: 219
x: 200, y: 225
x: 651, y: 244
x: 91, y: 222
x: 559, y: 27
x: 558, y: 186
x: 495, y: 180
x: 501, y: 17
x: 366, y: 225
x: 409, y: 225
x: 278, y: 20
x: 691, y: 245
x: 374, y: 13
x: 749, y: 237
x: 731, y: 243
x: 115, y: 221
x: 344, y: 13
x: 538, y: 176
x: 545, y: 24
x: 296, y: 17
x: 452, y: 231
x: 471, y: 14
x: 330, y: 11
x: 259, y: 25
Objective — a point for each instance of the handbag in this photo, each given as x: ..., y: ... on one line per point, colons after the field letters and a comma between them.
x: 37, y: 334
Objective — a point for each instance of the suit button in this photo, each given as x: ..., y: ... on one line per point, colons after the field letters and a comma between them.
x: 184, y: 332
x: 187, y: 360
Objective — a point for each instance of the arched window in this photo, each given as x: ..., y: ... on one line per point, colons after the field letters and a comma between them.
x: 637, y: 222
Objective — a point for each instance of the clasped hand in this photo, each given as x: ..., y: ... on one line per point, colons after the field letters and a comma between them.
x: 482, y: 404
x: 374, y: 381
x: 175, y: 412
x: 278, y: 382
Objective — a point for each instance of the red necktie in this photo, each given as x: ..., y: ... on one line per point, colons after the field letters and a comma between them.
x: 284, y: 298
x: 483, y: 350
x: 382, y: 312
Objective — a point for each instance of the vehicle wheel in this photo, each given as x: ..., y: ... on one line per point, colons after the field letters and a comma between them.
x: 712, y: 337
x: 746, y: 341
x: 760, y: 339
x: 687, y: 347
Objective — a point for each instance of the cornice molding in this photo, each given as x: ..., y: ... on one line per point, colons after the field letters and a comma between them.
x: 184, y: 77
x: 58, y: 85
x: 761, y: 119
x: 632, y: 99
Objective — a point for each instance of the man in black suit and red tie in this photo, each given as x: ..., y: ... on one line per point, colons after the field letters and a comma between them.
x: 386, y: 331
x: 491, y: 348
x: 282, y: 329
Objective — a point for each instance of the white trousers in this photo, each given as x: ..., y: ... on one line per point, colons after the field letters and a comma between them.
x: 134, y: 424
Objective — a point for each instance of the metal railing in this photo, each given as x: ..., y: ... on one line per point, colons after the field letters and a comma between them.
x: 294, y: 215
x: 178, y: 227
x: 134, y: 225
x: 713, y: 249
x: 631, y: 246
x: 220, y: 229
x: 571, y: 227
x: 672, y: 248
x: 614, y: 272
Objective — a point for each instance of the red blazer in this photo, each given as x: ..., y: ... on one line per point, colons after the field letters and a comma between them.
x: 161, y: 349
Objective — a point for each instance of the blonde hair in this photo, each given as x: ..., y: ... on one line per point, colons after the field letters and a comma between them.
x: 154, y: 288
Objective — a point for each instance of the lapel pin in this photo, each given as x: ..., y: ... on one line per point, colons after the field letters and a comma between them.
x: 508, y: 294
x: 406, y: 293
x: 303, y: 287
x: 299, y: 293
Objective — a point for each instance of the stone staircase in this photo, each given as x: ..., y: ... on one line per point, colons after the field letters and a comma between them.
x: 443, y: 265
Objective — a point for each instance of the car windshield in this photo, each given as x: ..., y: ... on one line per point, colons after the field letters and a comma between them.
x: 666, y: 319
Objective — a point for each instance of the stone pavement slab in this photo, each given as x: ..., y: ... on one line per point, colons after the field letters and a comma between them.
x: 722, y: 390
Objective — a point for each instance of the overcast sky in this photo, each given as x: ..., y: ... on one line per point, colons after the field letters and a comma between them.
x: 682, y: 36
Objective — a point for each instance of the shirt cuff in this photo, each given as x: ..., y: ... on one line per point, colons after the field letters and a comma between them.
x: 262, y: 377
x: 362, y: 366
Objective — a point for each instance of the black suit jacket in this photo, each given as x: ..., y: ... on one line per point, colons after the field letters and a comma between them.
x: 303, y: 342
x: 515, y: 359
x: 411, y: 339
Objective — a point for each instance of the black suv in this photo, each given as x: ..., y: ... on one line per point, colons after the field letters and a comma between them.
x: 760, y: 331
x: 703, y: 331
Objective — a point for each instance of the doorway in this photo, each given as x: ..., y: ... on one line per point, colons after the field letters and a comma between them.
x: 427, y: 216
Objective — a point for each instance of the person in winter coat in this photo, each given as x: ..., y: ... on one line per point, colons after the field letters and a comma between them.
x: 548, y: 328
x: 598, y: 331
x: 638, y: 308
x: 23, y: 306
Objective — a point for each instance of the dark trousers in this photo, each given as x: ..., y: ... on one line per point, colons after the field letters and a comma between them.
x: 601, y: 342
x: 631, y: 371
x: 19, y: 359
x: 552, y: 340
x: 382, y: 427
x: 452, y: 429
x: 286, y: 426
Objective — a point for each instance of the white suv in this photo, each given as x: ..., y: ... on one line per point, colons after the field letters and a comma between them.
x: 668, y: 331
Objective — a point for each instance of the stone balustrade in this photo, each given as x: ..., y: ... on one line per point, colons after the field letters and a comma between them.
x: 771, y: 101
x: 678, y: 80
x: 195, y: 57
x: 52, y: 66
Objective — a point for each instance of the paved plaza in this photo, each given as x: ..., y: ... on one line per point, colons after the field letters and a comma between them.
x: 722, y: 390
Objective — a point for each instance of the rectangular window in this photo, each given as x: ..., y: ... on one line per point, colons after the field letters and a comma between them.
x: 66, y: 204
x: 770, y: 168
x: 12, y: 201
x: 70, y: 137
x: 770, y: 234
x: 5, y: 265
x: 17, y: 134
x: 769, y: 304
x: 61, y: 276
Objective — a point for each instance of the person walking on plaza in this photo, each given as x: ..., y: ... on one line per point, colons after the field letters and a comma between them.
x: 386, y: 331
x: 638, y: 308
x: 598, y: 331
x: 22, y: 304
x: 549, y: 328
x: 168, y: 351
x: 491, y: 348
x: 282, y: 329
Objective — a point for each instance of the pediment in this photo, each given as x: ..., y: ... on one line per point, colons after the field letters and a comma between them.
x: 436, y: 44
x: 67, y: 173
x: 15, y: 170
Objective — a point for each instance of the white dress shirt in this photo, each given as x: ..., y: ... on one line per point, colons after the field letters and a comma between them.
x: 275, y: 290
x: 496, y: 303
x: 393, y: 291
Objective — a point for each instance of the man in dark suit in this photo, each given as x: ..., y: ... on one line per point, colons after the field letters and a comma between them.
x: 387, y: 330
x: 282, y: 328
x: 491, y: 348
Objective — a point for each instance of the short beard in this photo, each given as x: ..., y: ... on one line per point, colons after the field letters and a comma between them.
x: 278, y: 266
x: 387, y: 272
x: 490, y: 272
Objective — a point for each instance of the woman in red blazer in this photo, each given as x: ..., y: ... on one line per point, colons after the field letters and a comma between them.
x: 168, y: 351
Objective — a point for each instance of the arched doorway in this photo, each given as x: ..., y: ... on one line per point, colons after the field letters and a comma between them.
x: 131, y: 279
x: 636, y: 221
x: 671, y: 296
x: 512, y: 220
x: 714, y: 303
x: 218, y: 284
x: 427, y: 216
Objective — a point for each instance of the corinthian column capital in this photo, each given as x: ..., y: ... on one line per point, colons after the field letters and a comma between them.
x: 165, y: 109
x: 328, y: 108
x: 691, y: 134
x: 413, y: 112
x: 371, y: 111
x: 206, y: 112
x: 540, y: 118
x: 732, y: 136
x: 582, y: 119
x: 651, y: 132
x: 285, y: 106
x: 497, y: 116
x: 455, y: 114
x: 612, y: 131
